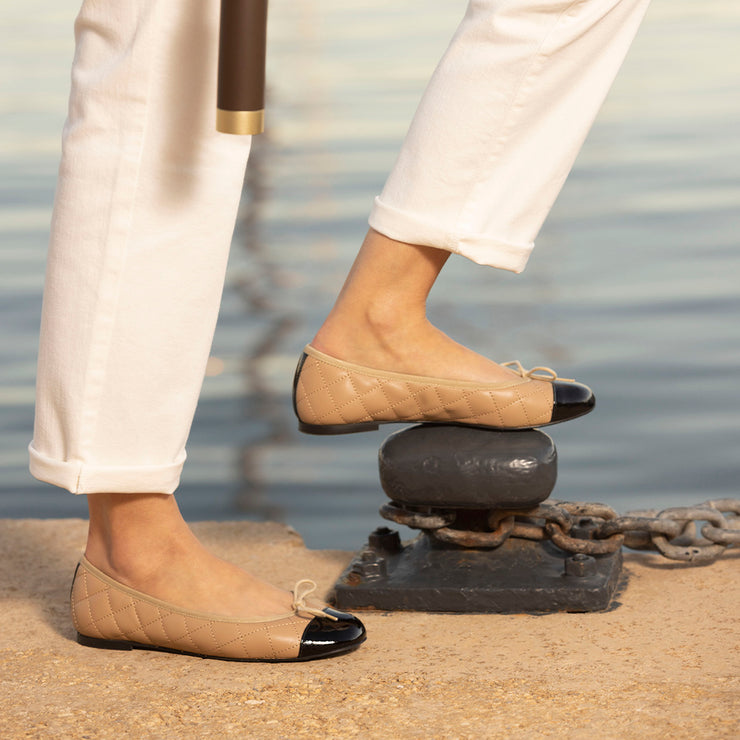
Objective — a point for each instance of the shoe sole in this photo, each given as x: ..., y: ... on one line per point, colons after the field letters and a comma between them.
x: 371, y: 426
x: 100, y: 643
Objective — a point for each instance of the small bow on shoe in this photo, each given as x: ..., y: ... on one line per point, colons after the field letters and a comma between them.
x: 536, y: 373
x: 303, y: 588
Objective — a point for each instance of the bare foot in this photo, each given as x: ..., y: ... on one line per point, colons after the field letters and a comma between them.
x: 142, y: 541
x: 419, y: 349
x: 379, y: 319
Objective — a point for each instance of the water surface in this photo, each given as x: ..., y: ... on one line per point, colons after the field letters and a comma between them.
x: 634, y: 286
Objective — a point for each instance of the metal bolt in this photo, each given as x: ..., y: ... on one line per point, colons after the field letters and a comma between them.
x: 384, y: 539
x: 584, y: 529
x: 369, y: 566
x: 353, y: 578
x: 580, y: 565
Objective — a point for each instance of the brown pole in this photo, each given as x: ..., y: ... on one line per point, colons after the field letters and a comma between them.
x: 241, y: 67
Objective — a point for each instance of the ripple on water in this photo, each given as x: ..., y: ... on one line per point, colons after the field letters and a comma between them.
x: 633, y: 287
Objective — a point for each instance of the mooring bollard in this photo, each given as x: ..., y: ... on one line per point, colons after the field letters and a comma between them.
x: 461, y: 486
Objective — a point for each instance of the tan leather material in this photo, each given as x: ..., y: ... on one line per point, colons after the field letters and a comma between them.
x: 331, y: 392
x: 105, y: 609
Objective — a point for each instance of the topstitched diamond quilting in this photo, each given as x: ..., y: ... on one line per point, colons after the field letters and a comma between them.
x: 105, y: 611
x: 329, y: 394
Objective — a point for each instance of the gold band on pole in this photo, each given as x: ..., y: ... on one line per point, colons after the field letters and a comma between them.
x: 240, y: 121
x: 242, y: 46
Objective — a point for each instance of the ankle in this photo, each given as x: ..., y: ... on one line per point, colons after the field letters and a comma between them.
x: 392, y: 315
x: 384, y: 297
x: 130, y: 561
x: 132, y: 536
x: 384, y: 322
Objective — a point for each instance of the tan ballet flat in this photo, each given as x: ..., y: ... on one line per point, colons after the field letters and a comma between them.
x: 108, y: 614
x: 335, y: 397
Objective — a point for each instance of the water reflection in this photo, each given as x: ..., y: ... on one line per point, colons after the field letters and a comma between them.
x: 633, y: 287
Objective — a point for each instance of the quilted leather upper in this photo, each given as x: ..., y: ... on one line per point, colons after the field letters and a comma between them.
x: 105, y: 609
x: 329, y: 391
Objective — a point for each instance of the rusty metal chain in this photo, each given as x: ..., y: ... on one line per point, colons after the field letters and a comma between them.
x: 591, y: 528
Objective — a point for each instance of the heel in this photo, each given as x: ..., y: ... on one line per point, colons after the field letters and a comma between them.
x: 365, y: 426
x: 97, y: 642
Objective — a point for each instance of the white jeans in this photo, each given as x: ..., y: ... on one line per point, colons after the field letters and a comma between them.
x: 148, y: 193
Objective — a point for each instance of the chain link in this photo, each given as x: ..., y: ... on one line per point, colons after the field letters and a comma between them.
x: 416, y: 519
x: 592, y: 528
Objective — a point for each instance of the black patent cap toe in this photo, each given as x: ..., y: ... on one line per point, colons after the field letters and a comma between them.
x: 570, y: 400
x: 324, y: 636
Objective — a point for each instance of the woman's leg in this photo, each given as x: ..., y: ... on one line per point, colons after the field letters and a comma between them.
x: 144, y: 213
x: 379, y: 319
x: 141, y: 540
x: 492, y: 143
x: 143, y: 217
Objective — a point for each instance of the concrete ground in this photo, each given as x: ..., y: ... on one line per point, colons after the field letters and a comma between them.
x: 664, y: 663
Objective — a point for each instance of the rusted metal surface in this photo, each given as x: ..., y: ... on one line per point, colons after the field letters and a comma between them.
x: 416, y: 519
x: 590, y: 528
x: 518, y: 576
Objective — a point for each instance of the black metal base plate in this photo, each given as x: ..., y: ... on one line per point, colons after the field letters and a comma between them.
x: 519, y: 576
